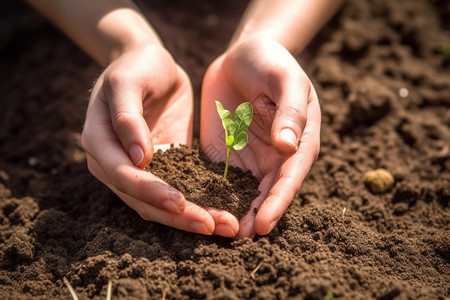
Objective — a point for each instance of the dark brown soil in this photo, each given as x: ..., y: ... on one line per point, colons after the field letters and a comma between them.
x: 382, y: 72
x: 201, y: 181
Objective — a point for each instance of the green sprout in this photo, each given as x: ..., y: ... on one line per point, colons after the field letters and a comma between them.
x: 328, y: 296
x: 235, y: 127
x: 445, y: 49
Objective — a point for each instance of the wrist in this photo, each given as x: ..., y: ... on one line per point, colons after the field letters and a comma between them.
x: 132, y: 43
x: 274, y: 20
x: 120, y: 39
x: 290, y: 23
x: 248, y: 44
x: 287, y: 38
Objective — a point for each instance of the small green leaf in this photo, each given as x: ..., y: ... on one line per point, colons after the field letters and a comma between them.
x: 235, y: 127
x: 225, y: 115
x: 328, y: 296
x: 220, y: 108
x: 241, y: 119
x: 240, y: 141
x: 226, y: 120
x: 229, y: 140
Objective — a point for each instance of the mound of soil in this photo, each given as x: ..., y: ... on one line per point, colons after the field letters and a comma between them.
x: 382, y: 72
x: 201, y: 181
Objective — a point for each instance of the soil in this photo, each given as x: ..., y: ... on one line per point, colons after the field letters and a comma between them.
x: 382, y: 73
x: 201, y: 181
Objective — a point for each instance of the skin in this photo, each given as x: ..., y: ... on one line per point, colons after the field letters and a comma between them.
x: 280, y: 98
x: 284, y: 137
x: 142, y: 91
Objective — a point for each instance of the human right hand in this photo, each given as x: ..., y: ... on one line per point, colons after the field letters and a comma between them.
x: 143, y: 99
x: 284, y: 136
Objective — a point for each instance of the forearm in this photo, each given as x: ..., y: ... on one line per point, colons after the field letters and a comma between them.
x: 292, y: 23
x: 102, y: 28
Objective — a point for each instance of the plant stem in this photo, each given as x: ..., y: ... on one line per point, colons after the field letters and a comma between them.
x: 228, y: 161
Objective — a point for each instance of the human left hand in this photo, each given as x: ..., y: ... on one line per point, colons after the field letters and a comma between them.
x: 142, y: 100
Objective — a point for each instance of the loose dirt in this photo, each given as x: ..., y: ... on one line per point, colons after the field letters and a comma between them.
x: 382, y: 73
x: 201, y: 181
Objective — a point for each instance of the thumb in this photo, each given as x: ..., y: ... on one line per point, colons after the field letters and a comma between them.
x: 291, y: 114
x: 130, y: 126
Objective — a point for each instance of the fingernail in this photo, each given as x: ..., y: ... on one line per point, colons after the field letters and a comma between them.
x: 225, y: 230
x: 136, y: 154
x: 177, y: 198
x: 272, y: 225
x: 171, y: 206
x: 199, y: 227
x: 288, y: 136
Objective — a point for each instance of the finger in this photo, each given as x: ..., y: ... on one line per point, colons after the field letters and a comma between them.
x: 125, y: 99
x: 225, y: 223
x: 247, y: 222
x: 294, y: 93
x: 193, y: 219
x: 291, y: 174
x: 117, y: 170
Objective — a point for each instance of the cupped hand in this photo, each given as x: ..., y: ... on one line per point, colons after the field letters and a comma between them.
x: 142, y: 100
x: 284, y: 136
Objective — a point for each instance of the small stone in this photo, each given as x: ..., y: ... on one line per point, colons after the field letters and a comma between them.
x: 32, y: 161
x: 403, y: 92
x: 378, y: 181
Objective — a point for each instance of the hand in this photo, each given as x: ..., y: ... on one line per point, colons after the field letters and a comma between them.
x: 284, y: 137
x: 141, y: 100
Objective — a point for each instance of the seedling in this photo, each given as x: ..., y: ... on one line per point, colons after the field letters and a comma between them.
x: 235, y: 126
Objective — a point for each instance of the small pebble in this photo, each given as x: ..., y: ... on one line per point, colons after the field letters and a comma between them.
x: 403, y: 92
x: 378, y: 181
x: 32, y: 161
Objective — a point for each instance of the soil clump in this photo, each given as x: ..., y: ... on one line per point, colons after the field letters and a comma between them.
x: 201, y: 181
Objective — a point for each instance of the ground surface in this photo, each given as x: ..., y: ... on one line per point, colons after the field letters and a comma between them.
x: 381, y: 70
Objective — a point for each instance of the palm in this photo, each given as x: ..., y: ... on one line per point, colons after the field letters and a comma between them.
x: 170, y: 121
x: 258, y: 156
